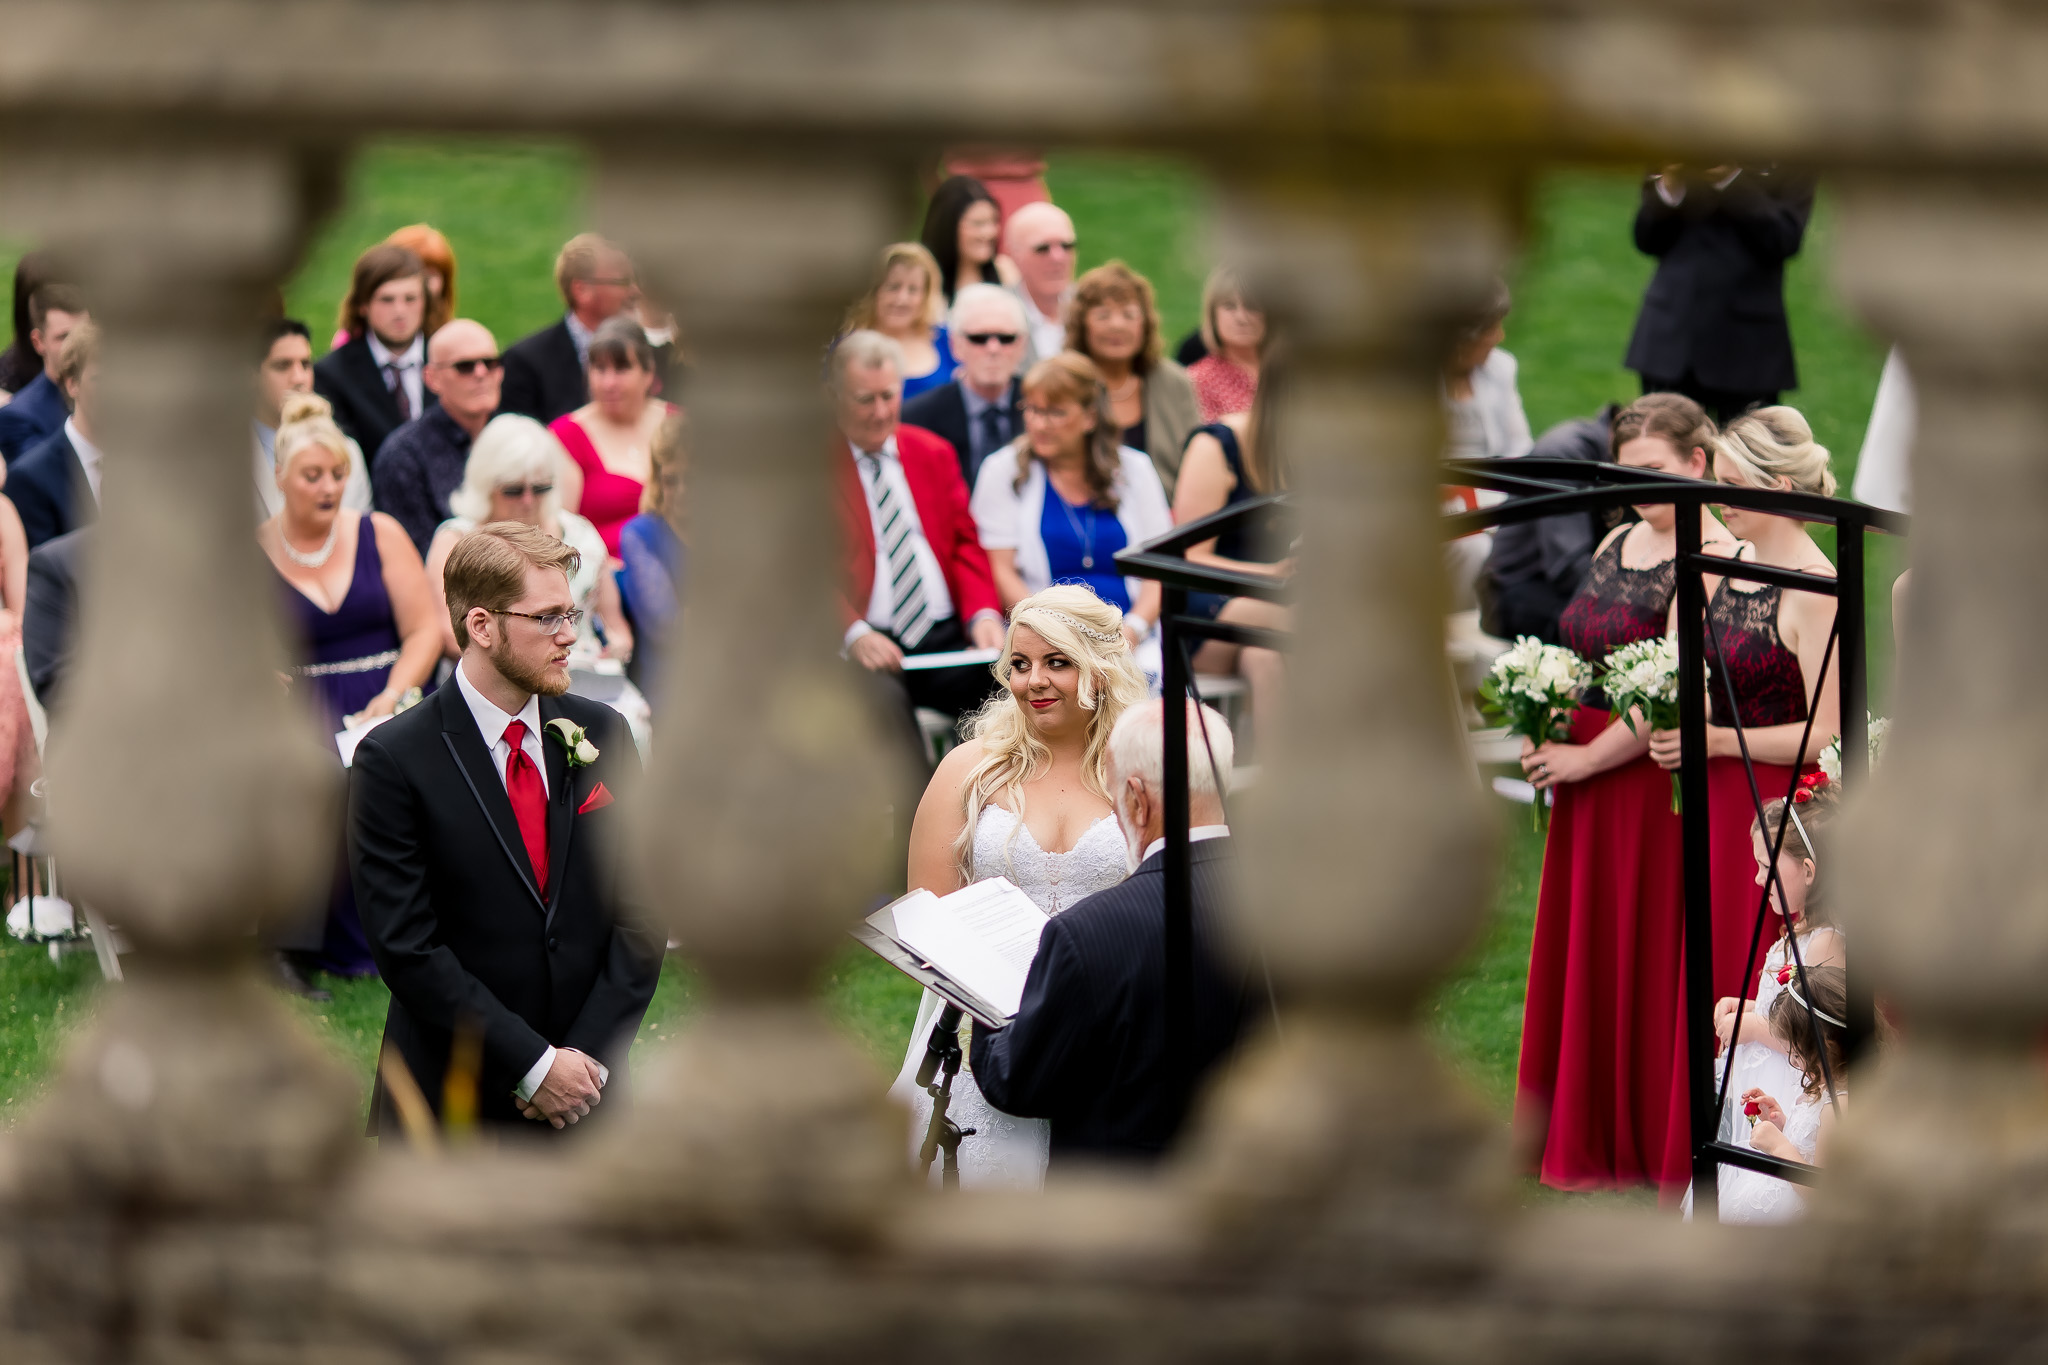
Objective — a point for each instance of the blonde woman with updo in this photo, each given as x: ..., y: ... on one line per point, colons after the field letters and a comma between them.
x: 1026, y: 797
x: 1771, y: 644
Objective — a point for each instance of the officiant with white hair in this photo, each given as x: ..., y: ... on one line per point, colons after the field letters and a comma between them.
x: 1088, y: 1049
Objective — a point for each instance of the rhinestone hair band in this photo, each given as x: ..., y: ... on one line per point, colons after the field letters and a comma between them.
x: 1104, y: 637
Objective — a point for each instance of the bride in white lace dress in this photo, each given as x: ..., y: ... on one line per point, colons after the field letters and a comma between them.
x: 1025, y: 797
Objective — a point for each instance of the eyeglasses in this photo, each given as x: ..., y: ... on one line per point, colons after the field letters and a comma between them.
x: 990, y: 338
x: 551, y: 624
x: 467, y: 368
x: 1045, y: 248
x: 516, y: 491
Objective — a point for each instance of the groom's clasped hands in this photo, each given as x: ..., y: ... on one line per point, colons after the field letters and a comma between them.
x: 573, y: 1086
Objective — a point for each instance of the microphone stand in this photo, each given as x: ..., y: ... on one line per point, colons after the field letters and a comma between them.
x: 941, y: 1059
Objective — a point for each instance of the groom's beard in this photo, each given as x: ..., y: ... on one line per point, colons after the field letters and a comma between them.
x: 549, y: 680
x: 1134, y: 851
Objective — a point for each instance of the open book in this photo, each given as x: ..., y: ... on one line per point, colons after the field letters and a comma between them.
x: 973, y: 947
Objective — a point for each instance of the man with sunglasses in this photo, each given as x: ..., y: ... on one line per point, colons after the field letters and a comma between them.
x: 1040, y: 239
x: 977, y: 411
x: 422, y: 462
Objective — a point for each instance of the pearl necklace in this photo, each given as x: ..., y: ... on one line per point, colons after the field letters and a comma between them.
x: 319, y: 556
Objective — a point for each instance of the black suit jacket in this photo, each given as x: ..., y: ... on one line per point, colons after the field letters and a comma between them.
x: 943, y: 411
x: 49, y: 618
x: 463, y: 937
x: 364, y: 407
x: 1087, y: 1049
x: 543, y: 377
x: 48, y: 487
x: 1715, y: 309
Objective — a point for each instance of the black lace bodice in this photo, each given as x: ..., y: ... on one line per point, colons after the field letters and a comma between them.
x: 1617, y: 606
x: 1770, y: 689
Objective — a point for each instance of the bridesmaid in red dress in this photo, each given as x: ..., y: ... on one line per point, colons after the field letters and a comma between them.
x: 1772, y: 641
x: 1595, y: 1086
x: 610, y: 437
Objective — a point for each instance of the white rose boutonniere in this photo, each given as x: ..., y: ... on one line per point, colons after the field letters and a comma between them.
x: 577, y: 749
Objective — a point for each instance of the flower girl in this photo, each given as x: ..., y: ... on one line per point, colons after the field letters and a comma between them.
x: 1759, y: 1057
x: 1813, y: 1008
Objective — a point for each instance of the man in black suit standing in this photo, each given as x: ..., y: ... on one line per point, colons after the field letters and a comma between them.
x: 374, y: 379
x: 977, y: 411
x: 1088, y: 1048
x: 55, y: 486
x: 1713, y: 326
x: 486, y: 861
x: 544, y: 373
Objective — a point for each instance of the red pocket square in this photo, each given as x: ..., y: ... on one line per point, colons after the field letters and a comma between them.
x: 598, y: 799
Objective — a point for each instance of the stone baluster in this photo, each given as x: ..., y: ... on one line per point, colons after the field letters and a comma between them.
x: 1368, y: 839
x: 1937, y: 1180
x: 189, y: 797
x: 764, y: 822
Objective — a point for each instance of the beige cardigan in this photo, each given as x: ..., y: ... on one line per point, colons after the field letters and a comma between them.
x: 1171, y: 415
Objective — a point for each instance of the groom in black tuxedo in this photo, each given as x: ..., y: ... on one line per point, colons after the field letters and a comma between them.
x: 486, y: 868
x: 1088, y: 1048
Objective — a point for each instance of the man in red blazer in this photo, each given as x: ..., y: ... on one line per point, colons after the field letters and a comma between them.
x: 916, y: 580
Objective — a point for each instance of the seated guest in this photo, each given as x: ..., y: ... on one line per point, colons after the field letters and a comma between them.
x: 486, y: 863
x: 1039, y: 238
x: 609, y: 437
x: 511, y: 477
x: 907, y: 304
x: 49, y: 623
x: 977, y: 411
x: 1233, y: 340
x: 20, y: 363
x: 653, y: 549
x: 287, y: 368
x: 1483, y: 419
x: 1536, y: 567
x: 1227, y: 463
x: 1115, y: 323
x: 422, y: 462
x: 1056, y: 506
x: 914, y: 569
x: 1088, y: 1049
x: 433, y: 249
x: 361, y: 621
x: 373, y: 381
x: 962, y: 227
x: 56, y: 485
x: 34, y: 414
x: 544, y: 372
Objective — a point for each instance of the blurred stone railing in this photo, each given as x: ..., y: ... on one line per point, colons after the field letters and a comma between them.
x: 193, y: 1187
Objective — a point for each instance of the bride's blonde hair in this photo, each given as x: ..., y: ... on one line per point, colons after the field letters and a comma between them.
x: 1088, y: 631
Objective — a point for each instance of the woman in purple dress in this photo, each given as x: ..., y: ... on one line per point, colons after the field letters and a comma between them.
x: 360, y: 613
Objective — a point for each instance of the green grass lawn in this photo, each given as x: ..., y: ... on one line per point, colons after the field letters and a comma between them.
x: 507, y: 207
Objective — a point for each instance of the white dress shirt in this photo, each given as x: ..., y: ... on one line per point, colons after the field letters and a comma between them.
x: 1048, y: 334
x: 491, y: 722
x: 1195, y: 836
x: 408, y: 362
x: 88, y: 456
x: 881, y: 603
x: 579, y: 336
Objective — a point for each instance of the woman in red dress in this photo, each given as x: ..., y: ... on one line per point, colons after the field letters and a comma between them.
x: 1772, y: 641
x: 610, y: 437
x: 1595, y: 1085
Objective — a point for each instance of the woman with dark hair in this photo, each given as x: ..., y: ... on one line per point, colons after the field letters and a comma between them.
x: 1056, y: 506
x: 609, y: 438
x: 962, y: 229
x: 19, y: 363
x: 1114, y: 321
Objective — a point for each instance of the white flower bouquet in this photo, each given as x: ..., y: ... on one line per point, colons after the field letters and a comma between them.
x: 1644, y: 677
x: 1532, y: 690
x: 1876, y: 727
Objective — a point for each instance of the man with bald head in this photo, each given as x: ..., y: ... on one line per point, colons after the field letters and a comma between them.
x: 421, y: 463
x: 1040, y: 239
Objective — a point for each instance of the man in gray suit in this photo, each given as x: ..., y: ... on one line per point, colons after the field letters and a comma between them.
x: 1040, y: 239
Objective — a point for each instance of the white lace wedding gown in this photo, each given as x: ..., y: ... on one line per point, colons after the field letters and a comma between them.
x: 1750, y: 1196
x: 1007, y: 1152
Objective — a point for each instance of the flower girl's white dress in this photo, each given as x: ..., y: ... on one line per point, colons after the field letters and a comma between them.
x: 1749, y: 1196
x: 1007, y: 1152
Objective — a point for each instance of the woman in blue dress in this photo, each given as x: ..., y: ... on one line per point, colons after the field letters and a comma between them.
x: 654, y: 553
x: 907, y: 304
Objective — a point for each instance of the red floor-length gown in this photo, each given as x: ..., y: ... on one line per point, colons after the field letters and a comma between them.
x: 1596, y: 1078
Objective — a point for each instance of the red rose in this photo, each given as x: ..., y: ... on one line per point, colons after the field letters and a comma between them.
x: 1802, y: 797
x: 1752, y: 1108
x: 1784, y: 975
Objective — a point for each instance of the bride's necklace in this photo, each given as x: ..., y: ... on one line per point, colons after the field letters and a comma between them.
x: 319, y: 556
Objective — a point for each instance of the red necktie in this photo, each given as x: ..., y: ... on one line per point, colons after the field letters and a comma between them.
x: 529, y: 801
